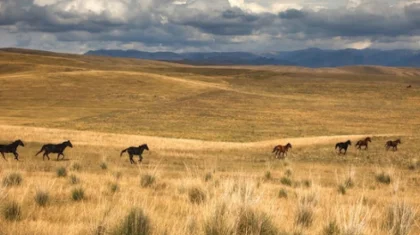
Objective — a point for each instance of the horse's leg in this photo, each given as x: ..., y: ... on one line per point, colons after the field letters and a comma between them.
x: 62, y: 154
x: 140, y: 158
x: 131, y: 159
x: 3, y: 156
x: 46, y: 154
x: 58, y: 155
x: 16, y: 155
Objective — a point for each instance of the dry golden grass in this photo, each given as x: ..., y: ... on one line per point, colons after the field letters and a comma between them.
x: 210, y: 131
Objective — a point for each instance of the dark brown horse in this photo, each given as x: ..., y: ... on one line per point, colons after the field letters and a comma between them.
x: 364, y: 142
x: 409, y: 86
x: 281, y: 151
x: 393, y: 144
x: 11, y: 148
x: 343, y: 145
x: 135, y: 151
x: 54, y: 148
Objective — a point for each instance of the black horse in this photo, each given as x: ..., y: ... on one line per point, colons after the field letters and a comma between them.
x: 11, y: 148
x: 54, y: 148
x: 135, y: 151
x: 342, y: 146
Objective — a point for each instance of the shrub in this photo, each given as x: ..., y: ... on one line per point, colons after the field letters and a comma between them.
x: 61, y: 172
x: 78, y: 194
x: 196, y: 195
x: 283, y: 193
x: 74, y: 179
x: 286, y: 181
x: 76, y: 167
x: 12, y: 179
x: 12, y: 211
x: 147, y: 180
x: 267, y: 175
x: 135, y: 223
x: 331, y: 229
x: 41, y: 198
x: 383, y: 178
x: 103, y: 166
x: 400, y: 219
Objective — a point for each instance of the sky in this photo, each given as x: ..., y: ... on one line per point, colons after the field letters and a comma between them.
x: 258, y: 26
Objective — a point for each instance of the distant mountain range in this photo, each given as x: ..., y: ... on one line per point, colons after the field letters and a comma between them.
x: 311, y: 57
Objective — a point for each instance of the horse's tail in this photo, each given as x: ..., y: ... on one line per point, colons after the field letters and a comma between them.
x: 125, y: 150
x: 275, y: 148
x: 337, y: 145
x: 40, y: 151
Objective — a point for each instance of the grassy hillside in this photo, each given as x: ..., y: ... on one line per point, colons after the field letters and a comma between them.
x: 210, y: 131
x: 209, y: 103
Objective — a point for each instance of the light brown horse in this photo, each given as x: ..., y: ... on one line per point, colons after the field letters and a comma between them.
x: 281, y: 151
x: 364, y: 142
x: 393, y: 144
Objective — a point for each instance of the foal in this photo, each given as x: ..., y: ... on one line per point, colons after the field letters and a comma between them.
x: 281, y: 150
x: 135, y: 151
x: 54, y: 148
x: 364, y: 142
x: 342, y: 146
x: 392, y: 144
x: 11, y: 148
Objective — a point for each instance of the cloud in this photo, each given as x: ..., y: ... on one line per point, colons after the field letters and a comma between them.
x: 209, y: 25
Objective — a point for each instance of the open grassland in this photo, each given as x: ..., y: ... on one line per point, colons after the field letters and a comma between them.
x: 210, y: 131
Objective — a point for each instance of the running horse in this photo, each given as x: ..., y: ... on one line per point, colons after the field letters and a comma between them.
x: 281, y: 151
x: 11, y: 148
x: 364, y: 142
x: 392, y: 144
x: 54, y: 148
x: 135, y: 151
x: 343, y: 145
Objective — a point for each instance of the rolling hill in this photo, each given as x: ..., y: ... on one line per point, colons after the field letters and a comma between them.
x: 312, y: 57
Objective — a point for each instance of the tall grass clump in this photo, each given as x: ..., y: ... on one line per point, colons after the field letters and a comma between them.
x: 331, y: 228
x: 218, y: 223
x: 208, y: 176
x: 305, y: 211
x: 61, y: 172
x: 135, y: 223
x: 286, y: 181
x: 147, y: 180
x: 267, y: 175
x: 383, y: 177
x: 196, y: 195
x: 103, y: 165
x: 74, y: 179
x: 355, y: 219
x: 12, y: 179
x: 283, y: 193
x: 12, y: 211
x: 251, y: 222
x: 41, y: 198
x: 76, y: 167
x: 78, y: 194
x: 400, y: 218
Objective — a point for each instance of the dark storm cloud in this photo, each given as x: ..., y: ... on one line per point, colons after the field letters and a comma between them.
x: 201, y: 22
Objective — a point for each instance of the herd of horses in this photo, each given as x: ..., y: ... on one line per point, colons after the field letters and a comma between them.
x: 59, y: 150
x: 280, y: 151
